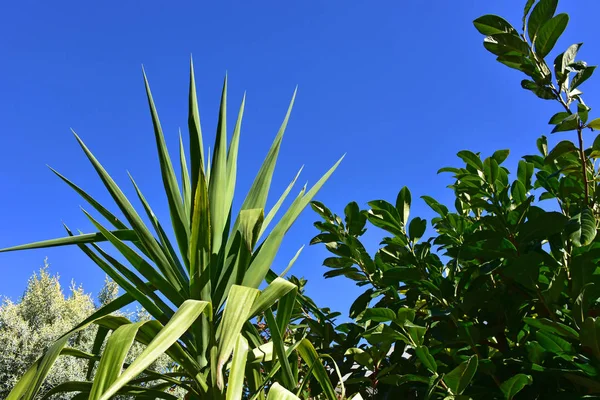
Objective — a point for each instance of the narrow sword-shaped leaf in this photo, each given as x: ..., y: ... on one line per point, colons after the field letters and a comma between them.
x: 235, y: 384
x: 127, y: 391
x: 278, y: 288
x: 113, y: 358
x: 130, y: 213
x: 178, y: 217
x: 235, y: 266
x: 195, y: 132
x: 110, y: 217
x: 185, y: 180
x: 217, y: 189
x: 237, y: 311
x: 174, y: 267
x: 285, y: 308
x: 292, y: 262
x: 232, y: 156
x: 279, y: 202
x: 96, y: 347
x: 126, y: 235
x: 184, y: 317
x: 278, y: 392
x: 141, y: 265
x: 277, y: 338
x: 139, y: 290
x: 200, y: 244
x: 311, y: 358
x: 266, y: 254
x: 148, y: 332
x: 200, y: 240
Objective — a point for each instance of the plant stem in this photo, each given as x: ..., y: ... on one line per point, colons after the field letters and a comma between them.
x: 583, y: 164
x: 581, y: 148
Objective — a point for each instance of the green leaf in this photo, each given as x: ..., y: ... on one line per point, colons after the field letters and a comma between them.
x: 311, y: 358
x: 542, y: 12
x: 528, y: 6
x: 360, y: 356
x: 554, y: 344
x: 278, y: 288
x: 542, y: 145
x: 264, y: 257
x: 278, y: 392
x: 385, y: 216
x: 493, y: 24
x: 184, y: 317
x: 110, y: 217
x: 459, y: 378
x: 558, y: 118
x: 185, y: 180
x: 590, y: 335
x: 541, y: 91
x: 568, y: 124
x: 126, y: 235
x: 155, y: 252
x: 500, y: 155
x: 562, y: 62
x: 195, y: 132
x: 581, y: 77
x: 378, y: 315
x: 563, y: 147
x: 278, y: 345
x: 549, y: 33
x: 435, y: 205
x: 126, y: 391
x: 113, y: 357
x: 232, y: 156
x: 586, y: 228
x: 237, y: 312
x: 490, y: 167
x: 594, y: 124
x: 403, y: 202
x: 426, y: 358
x: 514, y: 385
x: 217, y: 188
x: 257, y: 195
x: 176, y: 208
x: 518, y: 192
x: 583, y: 112
x: 504, y: 44
x: 416, y: 228
x: 278, y: 204
x: 547, y: 325
x: 355, y: 220
x: 524, y: 173
x: 145, y: 269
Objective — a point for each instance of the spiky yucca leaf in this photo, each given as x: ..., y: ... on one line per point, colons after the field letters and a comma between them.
x: 201, y: 292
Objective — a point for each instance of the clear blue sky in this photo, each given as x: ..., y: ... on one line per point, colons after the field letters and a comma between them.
x: 400, y: 86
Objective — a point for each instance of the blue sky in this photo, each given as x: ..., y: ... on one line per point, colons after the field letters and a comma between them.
x: 398, y: 86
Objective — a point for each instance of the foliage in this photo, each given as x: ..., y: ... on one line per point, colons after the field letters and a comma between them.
x: 202, y: 290
x: 502, y: 302
x: 40, y: 317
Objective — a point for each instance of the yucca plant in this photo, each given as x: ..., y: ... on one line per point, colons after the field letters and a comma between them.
x: 202, y: 291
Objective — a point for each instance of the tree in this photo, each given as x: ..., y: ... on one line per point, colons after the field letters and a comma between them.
x: 41, y: 316
x: 503, y: 300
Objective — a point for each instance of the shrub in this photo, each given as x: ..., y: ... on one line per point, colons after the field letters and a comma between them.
x: 503, y: 300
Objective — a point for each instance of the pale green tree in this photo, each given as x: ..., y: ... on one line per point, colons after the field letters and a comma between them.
x: 42, y: 314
